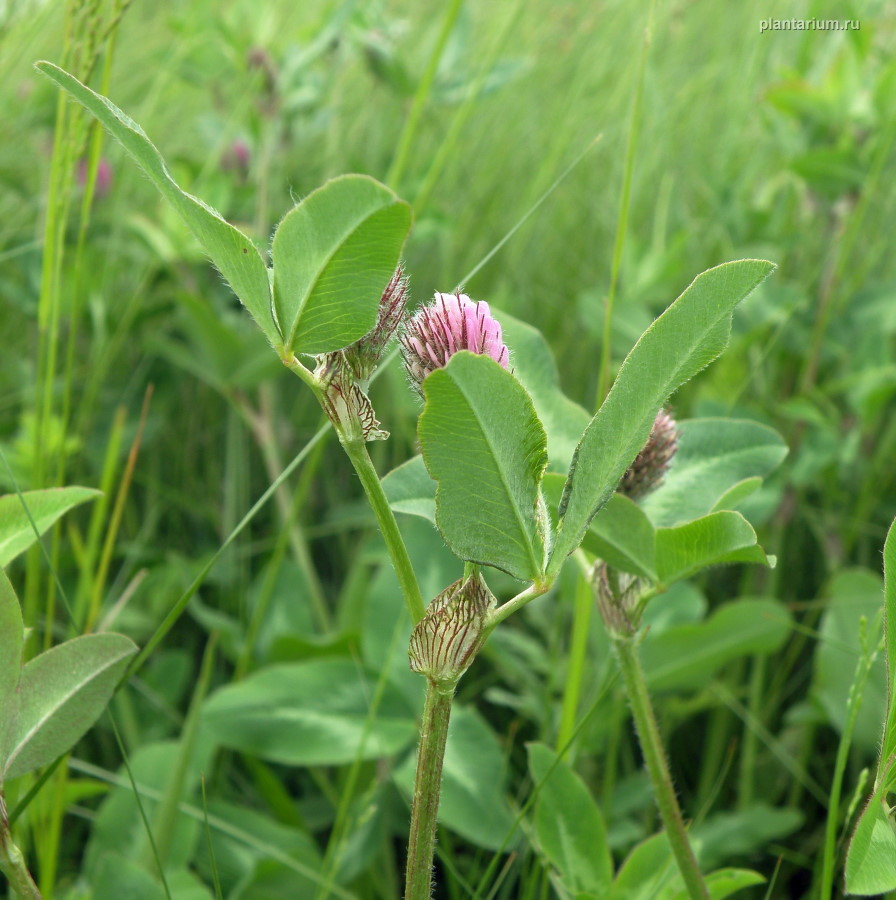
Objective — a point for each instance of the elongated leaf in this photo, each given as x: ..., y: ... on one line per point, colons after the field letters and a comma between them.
x: 854, y: 595
x: 409, y: 489
x: 61, y: 694
x: 569, y: 824
x: 484, y: 446
x: 534, y: 366
x: 46, y: 506
x: 685, y: 657
x: 235, y: 256
x: 720, y: 537
x: 713, y: 456
x: 333, y: 255
x: 689, y: 335
x: 647, y: 872
x: 871, y: 859
x: 11, y: 641
x: 888, y: 746
x: 744, y: 832
x: 725, y: 882
x: 310, y: 714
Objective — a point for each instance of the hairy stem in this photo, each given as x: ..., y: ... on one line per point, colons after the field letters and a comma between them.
x: 12, y: 863
x: 398, y: 553
x: 657, y: 767
x: 427, y: 784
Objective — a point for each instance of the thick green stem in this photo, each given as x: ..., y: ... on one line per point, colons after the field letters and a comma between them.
x: 428, y: 782
x: 12, y: 863
x: 657, y: 767
x: 398, y: 553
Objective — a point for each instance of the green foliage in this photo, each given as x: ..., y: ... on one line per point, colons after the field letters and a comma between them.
x: 852, y: 618
x: 50, y: 702
x: 685, y: 657
x: 237, y: 258
x: 714, y: 458
x: 60, y: 694
x: 333, y: 255
x: 871, y: 861
x: 484, y: 446
x: 311, y: 91
x: 534, y: 366
x: 687, y: 337
x: 474, y: 800
x: 311, y: 713
x: 568, y: 823
x: 871, y: 858
x: 17, y: 533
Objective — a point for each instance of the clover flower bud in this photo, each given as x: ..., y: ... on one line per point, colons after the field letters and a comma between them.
x: 649, y: 469
x: 618, y: 595
x: 364, y: 354
x: 446, y: 640
x: 451, y: 323
x: 344, y: 375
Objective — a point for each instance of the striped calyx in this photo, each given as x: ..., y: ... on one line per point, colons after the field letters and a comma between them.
x: 446, y: 640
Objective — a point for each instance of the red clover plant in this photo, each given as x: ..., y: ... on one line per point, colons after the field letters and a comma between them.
x: 329, y: 301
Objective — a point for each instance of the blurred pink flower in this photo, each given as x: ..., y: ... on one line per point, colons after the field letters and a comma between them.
x: 103, y: 177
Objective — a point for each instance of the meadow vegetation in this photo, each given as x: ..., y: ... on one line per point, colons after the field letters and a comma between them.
x: 552, y: 157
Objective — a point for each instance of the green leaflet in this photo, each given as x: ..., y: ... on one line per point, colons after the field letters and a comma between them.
x: 235, y: 256
x: 333, y: 255
x: 691, y: 333
x: 485, y: 447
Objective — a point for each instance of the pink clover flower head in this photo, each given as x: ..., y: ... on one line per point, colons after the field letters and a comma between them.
x: 452, y: 322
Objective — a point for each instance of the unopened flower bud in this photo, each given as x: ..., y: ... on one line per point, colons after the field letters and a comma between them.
x: 344, y: 375
x: 364, y: 354
x: 451, y: 323
x: 345, y: 401
x: 649, y: 469
x: 618, y: 595
x: 446, y: 640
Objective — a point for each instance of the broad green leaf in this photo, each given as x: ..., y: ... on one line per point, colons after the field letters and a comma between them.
x: 686, y: 657
x: 533, y: 364
x: 472, y: 801
x: 737, y: 493
x: 888, y: 746
x: 118, y: 828
x: 409, y: 489
x: 871, y: 858
x: 117, y: 876
x: 45, y: 506
x: 720, y: 537
x: 569, y: 824
x: 689, y: 335
x: 61, y: 694
x: 11, y: 641
x: 623, y: 536
x: 744, y: 832
x: 241, y: 839
x: 648, y: 870
x: 725, y: 882
x: 309, y: 714
x: 333, y: 255
x: 853, y: 595
x: 484, y: 446
x: 234, y: 254
x: 713, y: 456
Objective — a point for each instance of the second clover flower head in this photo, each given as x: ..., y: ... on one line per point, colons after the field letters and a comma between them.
x: 452, y: 322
